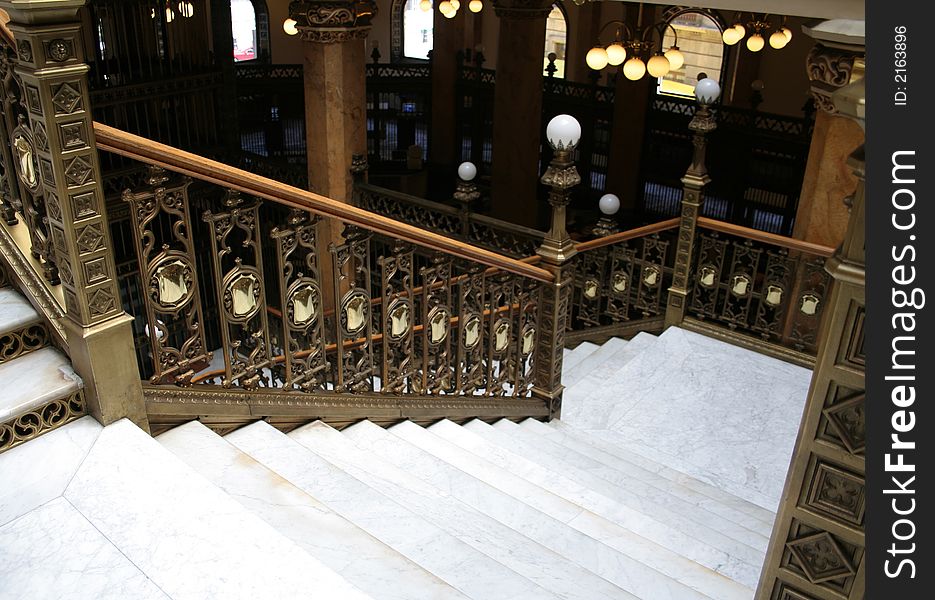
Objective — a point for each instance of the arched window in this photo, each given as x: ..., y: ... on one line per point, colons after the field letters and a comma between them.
x: 250, y: 29
x: 417, y: 30
x: 699, y: 39
x: 556, y: 39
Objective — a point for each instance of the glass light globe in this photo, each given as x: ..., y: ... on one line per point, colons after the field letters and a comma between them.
x: 425, y: 5
x: 445, y: 7
x: 658, y: 66
x: 778, y: 40
x: 597, y: 58
x: 707, y: 91
x: 741, y: 30
x: 563, y: 131
x: 455, y: 4
x: 634, y: 68
x: 475, y: 6
x: 731, y: 36
x: 787, y: 32
x: 289, y: 26
x: 616, y: 54
x: 467, y: 171
x: 609, y: 204
x: 676, y: 58
x: 755, y: 42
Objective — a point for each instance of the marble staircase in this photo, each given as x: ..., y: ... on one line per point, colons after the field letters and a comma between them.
x: 574, y: 509
x: 37, y: 383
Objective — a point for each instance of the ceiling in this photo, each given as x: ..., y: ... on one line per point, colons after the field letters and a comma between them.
x: 820, y: 9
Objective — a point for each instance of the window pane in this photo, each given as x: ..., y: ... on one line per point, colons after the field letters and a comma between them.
x: 243, y: 26
x: 699, y: 39
x: 556, y: 37
x: 417, y: 30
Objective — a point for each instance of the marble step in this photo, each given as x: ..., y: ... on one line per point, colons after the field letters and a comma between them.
x: 576, y: 355
x: 34, y: 379
x: 597, y: 475
x: 59, y: 452
x: 639, y: 518
x: 186, y: 535
x: 580, y: 370
x: 54, y: 552
x: 691, y: 385
x: 632, y: 562
x: 360, y: 558
x: 694, y: 536
x: 461, y: 566
x: 637, y: 467
x: 508, y: 546
x: 15, y: 311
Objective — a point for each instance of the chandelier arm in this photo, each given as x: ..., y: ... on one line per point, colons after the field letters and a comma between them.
x: 618, y: 22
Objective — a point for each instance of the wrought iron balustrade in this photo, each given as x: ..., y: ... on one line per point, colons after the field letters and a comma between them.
x: 455, y: 221
x: 756, y: 161
x: 237, y: 291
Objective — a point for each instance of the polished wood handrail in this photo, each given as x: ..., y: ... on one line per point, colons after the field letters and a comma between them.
x: 616, y: 238
x: 154, y: 153
x: 765, y: 237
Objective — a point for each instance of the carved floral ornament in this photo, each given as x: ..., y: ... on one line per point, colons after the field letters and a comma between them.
x: 828, y: 70
x: 332, y: 21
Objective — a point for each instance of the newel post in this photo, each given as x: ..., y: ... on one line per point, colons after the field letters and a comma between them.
x: 556, y: 251
x: 466, y: 196
x: 56, y: 92
x: 693, y: 183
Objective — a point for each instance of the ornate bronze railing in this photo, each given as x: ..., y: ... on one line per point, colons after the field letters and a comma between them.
x: 384, y: 310
x: 749, y: 287
x: 456, y: 221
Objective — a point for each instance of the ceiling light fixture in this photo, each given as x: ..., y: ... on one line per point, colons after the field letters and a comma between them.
x: 638, y: 45
x: 760, y: 26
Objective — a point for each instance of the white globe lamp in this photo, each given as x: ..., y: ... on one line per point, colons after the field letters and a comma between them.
x: 563, y: 132
x: 467, y: 171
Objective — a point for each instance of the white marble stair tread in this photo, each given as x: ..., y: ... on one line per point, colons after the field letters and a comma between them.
x: 34, y: 379
x: 657, y: 475
x: 576, y: 355
x: 605, y: 351
x: 363, y: 560
x: 671, y: 522
x: 508, y: 546
x: 691, y: 385
x: 189, y: 537
x: 673, y: 548
x: 15, y: 310
x: 54, y: 552
x: 596, y: 377
x: 636, y: 564
x: 461, y: 566
x: 59, y: 451
x: 597, y: 475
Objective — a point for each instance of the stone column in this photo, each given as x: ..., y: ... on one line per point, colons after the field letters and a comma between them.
x: 821, y: 218
x: 817, y: 548
x: 334, y: 33
x: 55, y: 88
x: 693, y: 183
x: 517, y: 121
x: 448, y: 42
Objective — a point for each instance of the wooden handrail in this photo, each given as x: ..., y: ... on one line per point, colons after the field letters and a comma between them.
x: 154, y: 153
x: 765, y: 237
x: 630, y: 234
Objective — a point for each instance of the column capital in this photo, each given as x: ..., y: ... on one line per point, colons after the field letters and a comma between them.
x: 332, y: 21
x: 830, y: 69
x: 522, y: 9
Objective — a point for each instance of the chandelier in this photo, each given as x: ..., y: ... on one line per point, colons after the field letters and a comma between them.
x: 759, y: 26
x: 637, y: 45
x: 449, y: 8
